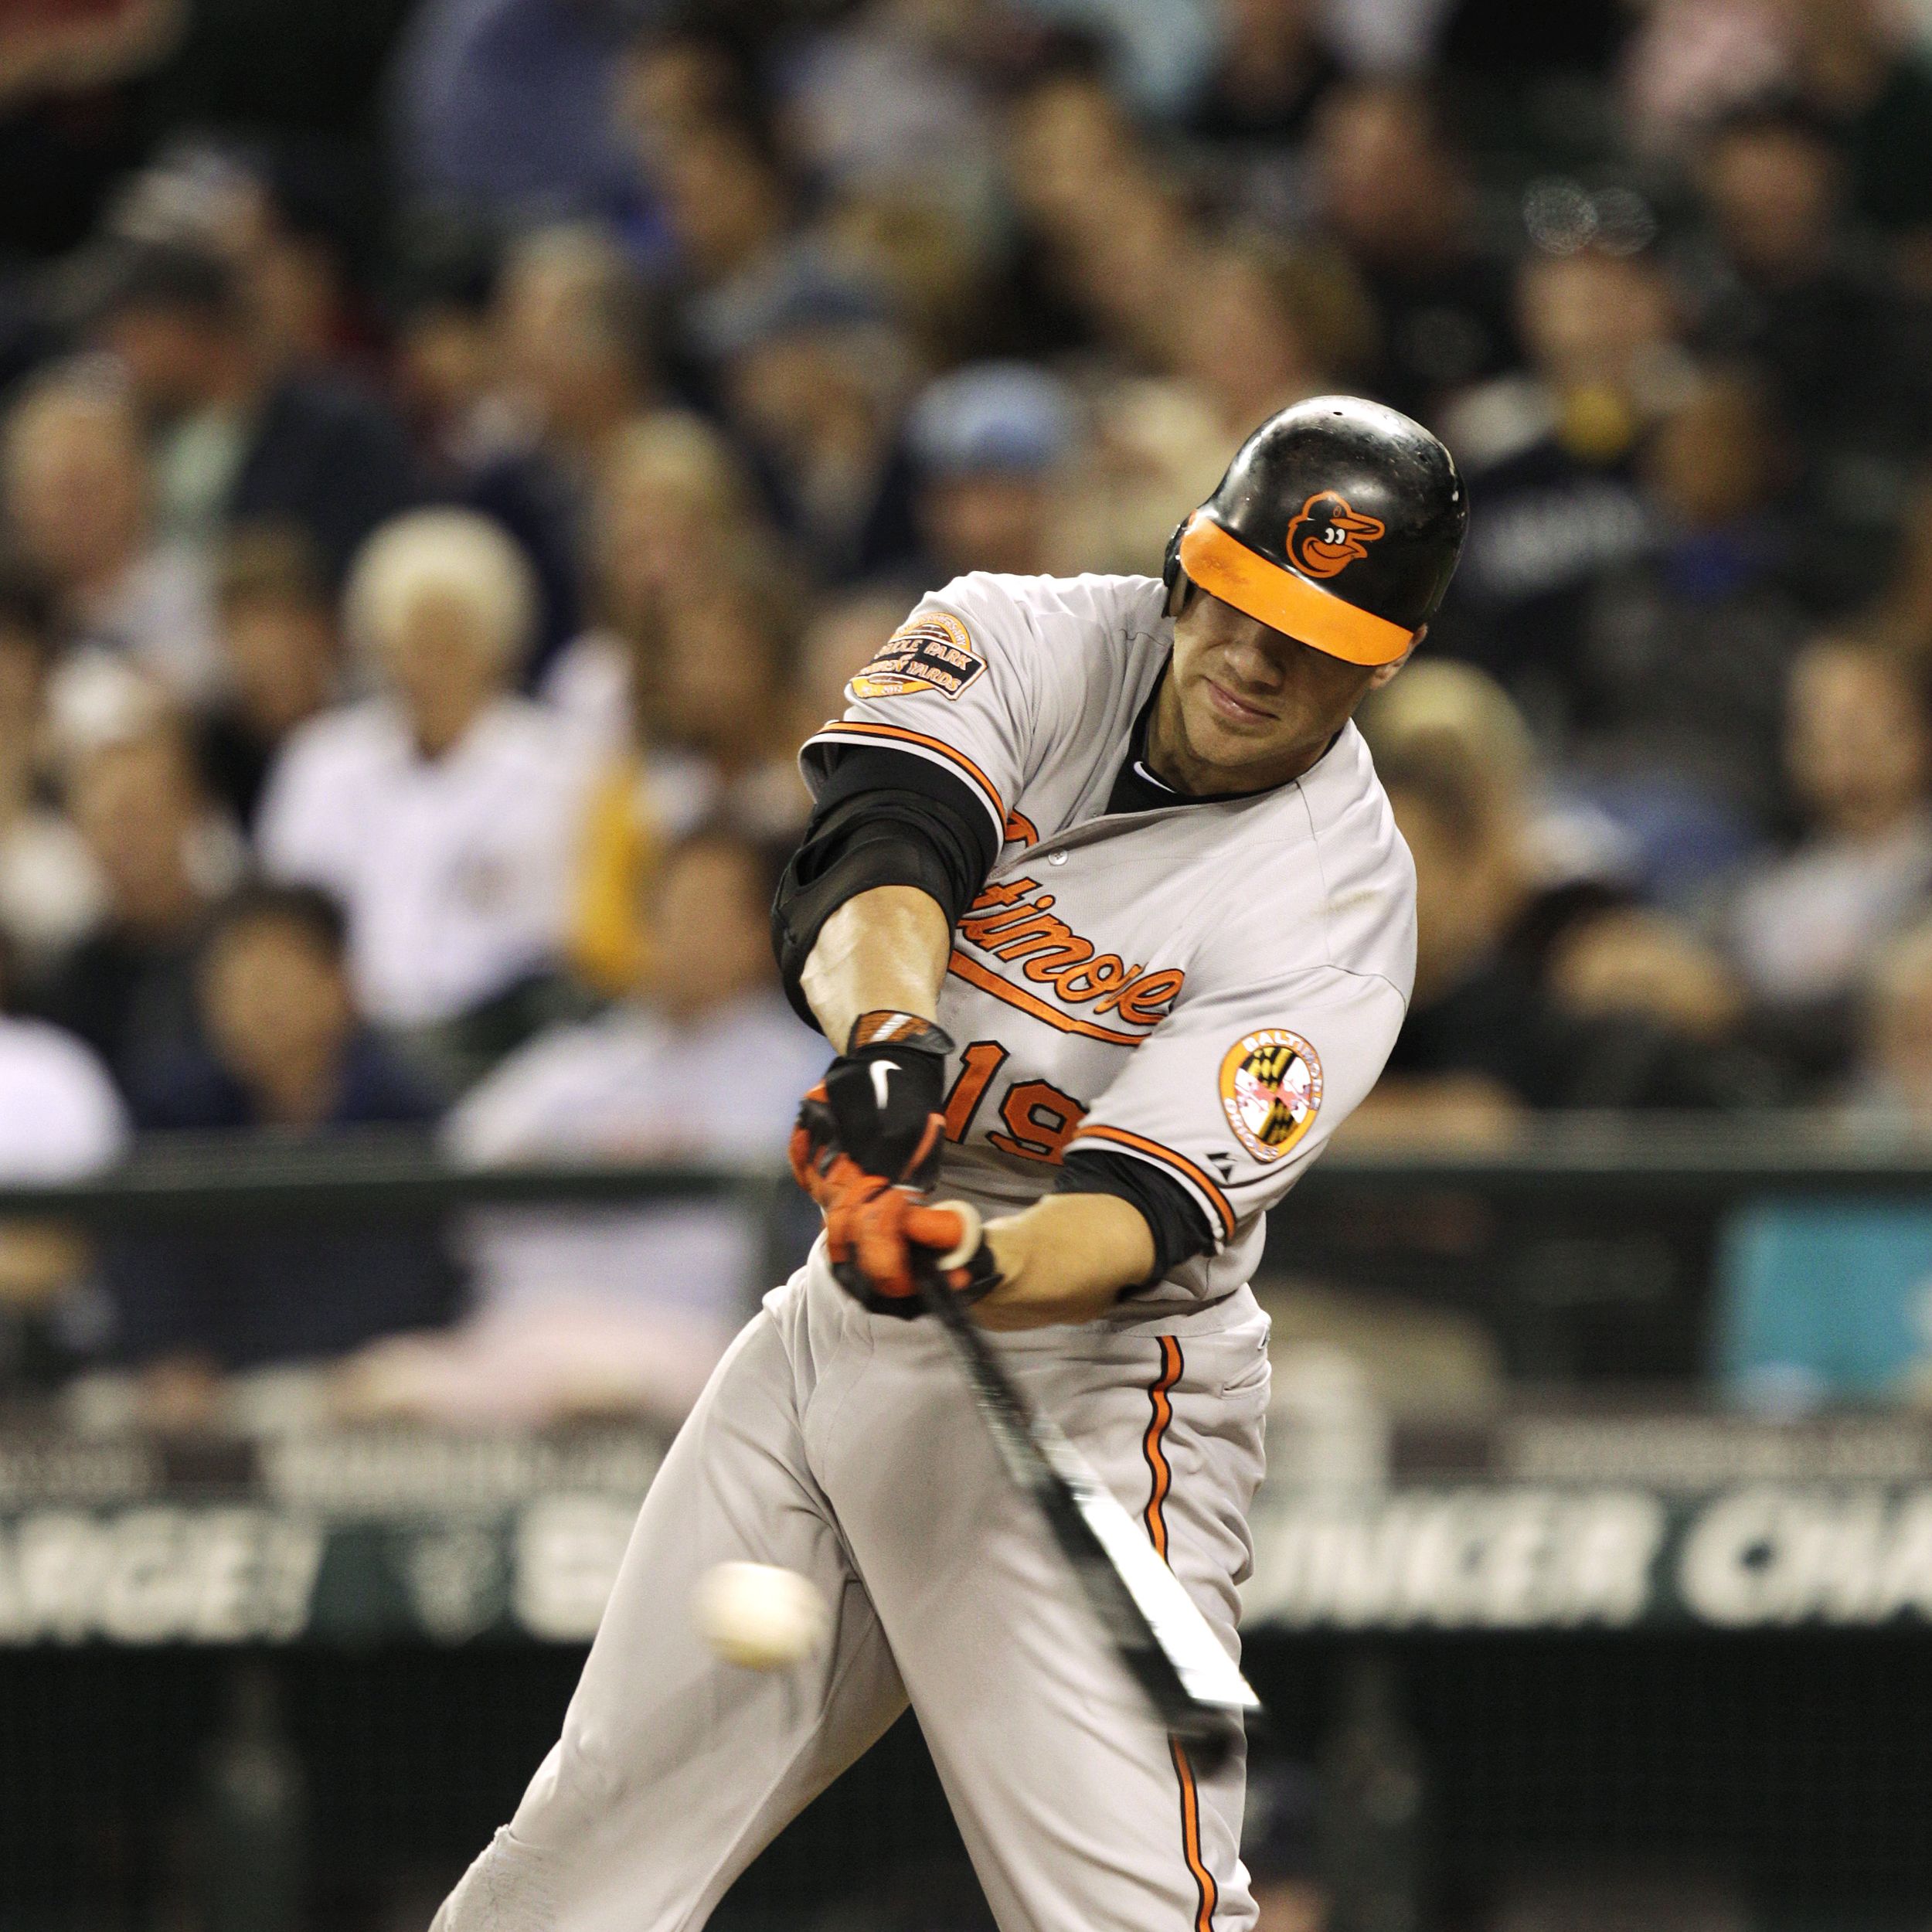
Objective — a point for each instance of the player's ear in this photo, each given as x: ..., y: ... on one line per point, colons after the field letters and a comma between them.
x: 1383, y: 673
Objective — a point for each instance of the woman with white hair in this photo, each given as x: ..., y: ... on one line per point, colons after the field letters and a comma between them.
x: 444, y: 811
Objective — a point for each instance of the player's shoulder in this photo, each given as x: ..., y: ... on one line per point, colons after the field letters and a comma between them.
x: 1055, y: 616
x: 1342, y: 893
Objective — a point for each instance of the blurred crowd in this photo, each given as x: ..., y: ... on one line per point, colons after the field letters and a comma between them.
x: 450, y: 453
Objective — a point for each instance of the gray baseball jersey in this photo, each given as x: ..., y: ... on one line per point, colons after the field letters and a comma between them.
x: 1211, y: 988
x: 1208, y: 987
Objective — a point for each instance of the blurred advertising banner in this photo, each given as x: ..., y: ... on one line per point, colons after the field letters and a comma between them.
x: 1550, y: 1522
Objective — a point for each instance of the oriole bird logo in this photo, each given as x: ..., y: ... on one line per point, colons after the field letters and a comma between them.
x: 1328, y: 536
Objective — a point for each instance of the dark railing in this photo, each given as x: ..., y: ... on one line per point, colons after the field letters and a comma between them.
x: 1586, y: 1244
x: 1581, y: 1156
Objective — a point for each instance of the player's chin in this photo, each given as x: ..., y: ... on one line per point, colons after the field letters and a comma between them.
x: 1224, y: 736
x: 1227, y: 713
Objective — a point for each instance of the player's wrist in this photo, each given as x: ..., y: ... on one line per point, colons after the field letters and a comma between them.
x: 888, y: 1027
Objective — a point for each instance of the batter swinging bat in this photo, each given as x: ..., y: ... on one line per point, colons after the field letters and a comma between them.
x: 1196, y: 1689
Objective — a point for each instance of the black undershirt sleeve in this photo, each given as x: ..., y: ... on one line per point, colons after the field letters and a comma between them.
x: 1179, y: 1229
x: 883, y: 819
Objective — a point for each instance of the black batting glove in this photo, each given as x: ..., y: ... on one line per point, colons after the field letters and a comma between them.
x: 882, y: 1098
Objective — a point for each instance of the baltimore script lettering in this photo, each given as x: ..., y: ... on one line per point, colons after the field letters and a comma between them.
x: 1004, y: 922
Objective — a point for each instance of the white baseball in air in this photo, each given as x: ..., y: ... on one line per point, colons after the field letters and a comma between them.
x: 760, y: 1615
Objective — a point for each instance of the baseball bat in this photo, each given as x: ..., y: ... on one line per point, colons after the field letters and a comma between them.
x: 1197, y: 1691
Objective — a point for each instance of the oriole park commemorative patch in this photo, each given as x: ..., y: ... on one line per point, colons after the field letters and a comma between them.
x: 931, y: 653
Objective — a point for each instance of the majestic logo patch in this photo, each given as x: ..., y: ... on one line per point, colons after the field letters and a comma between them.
x: 1328, y: 536
x: 932, y: 653
x: 1270, y: 1090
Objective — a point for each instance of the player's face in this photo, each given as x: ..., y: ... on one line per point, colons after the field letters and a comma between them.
x: 1244, y: 707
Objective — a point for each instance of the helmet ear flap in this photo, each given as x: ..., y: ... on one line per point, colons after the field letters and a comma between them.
x: 1171, y: 564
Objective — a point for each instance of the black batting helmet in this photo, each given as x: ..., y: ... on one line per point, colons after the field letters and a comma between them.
x: 1338, y: 523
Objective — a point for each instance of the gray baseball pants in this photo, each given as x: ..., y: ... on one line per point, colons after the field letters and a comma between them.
x: 844, y: 1445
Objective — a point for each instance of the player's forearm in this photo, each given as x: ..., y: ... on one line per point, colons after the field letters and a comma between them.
x: 886, y: 949
x: 1064, y: 1259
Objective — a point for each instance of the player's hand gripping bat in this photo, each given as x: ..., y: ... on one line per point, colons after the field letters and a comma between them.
x: 1197, y: 1690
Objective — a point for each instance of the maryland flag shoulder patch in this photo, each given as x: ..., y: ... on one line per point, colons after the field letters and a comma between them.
x: 1270, y: 1090
x: 934, y: 652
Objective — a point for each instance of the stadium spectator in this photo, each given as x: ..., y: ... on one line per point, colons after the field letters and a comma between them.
x: 1549, y: 450
x: 236, y: 439
x: 709, y: 704
x: 164, y: 857
x: 570, y: 357
x: 1269, y: 74
x: 78, y: 505
x: 1858, y: 71
x: 1107, y: 234
x: 280, y: 1049
x: 1858, y: 753
x: 443, y: 812
x: 841, y: 640
x: 725, y: 199
x: 1677, y: 696
x: 991, y: 444
x: 1533, y: 986
x: 288, y: 264
x: 624, y: 1307
x: 1393, y: 190
x: 815, y: 377
x: 469, y: 71
x: 1690, y: 62
x: 713, y: 701
x: 1782, y: 280
x: 675, y: 511
x: 277, y: 630
x: 671, y: 495
x: 1139, y: 240
x: 444, y: 351
x: 684, y: 72
x: 50, y: 892
x: 1269, y: 325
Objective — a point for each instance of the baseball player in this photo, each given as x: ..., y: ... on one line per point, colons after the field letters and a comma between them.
x: 1105, y: 906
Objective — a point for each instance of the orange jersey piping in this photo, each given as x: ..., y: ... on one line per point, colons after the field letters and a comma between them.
x: 864, y: 728
x: 1154, y: 1447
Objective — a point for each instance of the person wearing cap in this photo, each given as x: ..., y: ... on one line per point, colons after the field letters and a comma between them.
x: 237, y: 439
x: 813, y: 372
x: 989, y: 443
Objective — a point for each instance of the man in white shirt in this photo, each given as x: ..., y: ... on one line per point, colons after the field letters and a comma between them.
x: 443, y: 812
x: 626, y: 1307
